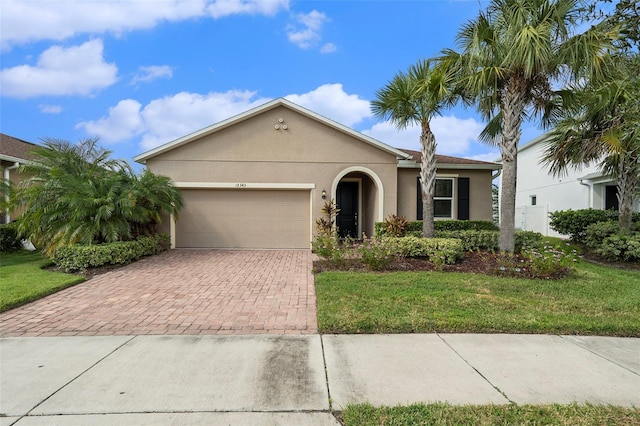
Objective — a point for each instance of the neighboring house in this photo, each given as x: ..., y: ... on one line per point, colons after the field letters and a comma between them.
x: 539, y: 193
x: 260, y: 179
x: 13, y: 152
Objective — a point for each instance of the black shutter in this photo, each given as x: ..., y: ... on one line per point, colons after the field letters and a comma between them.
x: 419, y: 212
x: 463, y: 198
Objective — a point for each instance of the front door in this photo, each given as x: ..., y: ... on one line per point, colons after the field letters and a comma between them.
x: 347, y: 201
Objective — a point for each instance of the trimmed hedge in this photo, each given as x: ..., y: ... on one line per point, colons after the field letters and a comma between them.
x: 489, y: 240
x: 574, y: 223
x: 9, y: 237
x: 415, y: 227
x: 82, y: 257
x: 439, y: 250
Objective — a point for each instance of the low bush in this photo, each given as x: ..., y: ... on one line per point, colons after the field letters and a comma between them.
x: 331, y: 248
x: 574, y: 223
x: 415, y: 227
x: 395, y: 226
x: 377, y: 253
x: 438, y: 250
x: 83, y: 257
x: 596, y: 233
x: 621, y: 247
x: 9, y: 237
x: 473, y: 240
x: 546, y: 262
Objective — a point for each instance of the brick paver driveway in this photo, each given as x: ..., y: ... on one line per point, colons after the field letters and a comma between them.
x: 181, y: 292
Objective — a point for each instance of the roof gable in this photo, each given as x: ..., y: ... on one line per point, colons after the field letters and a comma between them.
x: 14, y: 149
x: 142, y: 158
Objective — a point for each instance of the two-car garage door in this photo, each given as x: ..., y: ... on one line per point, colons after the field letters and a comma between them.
x: 244, y: 218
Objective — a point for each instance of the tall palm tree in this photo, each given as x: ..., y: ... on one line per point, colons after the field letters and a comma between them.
x: 415, y: 98
x: 600, y: 122
x: 511, y: 54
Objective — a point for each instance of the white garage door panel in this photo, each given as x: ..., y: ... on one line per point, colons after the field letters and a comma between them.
x: 244, y: 219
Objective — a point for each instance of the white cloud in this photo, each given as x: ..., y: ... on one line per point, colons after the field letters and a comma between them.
x: 165, y: 119
x: 491, y: 157
x: 221, y: 8
x: 59, y: 71
x: 178, y: 115
x: 331, y: 101
x: 306, y: 32
x: 168, y: 118
x: 27, y: 21
x: 150, y: 73
x: 123, y: 123
x: 328, y: 48
x: 50, y: 109
x: 453, y: 135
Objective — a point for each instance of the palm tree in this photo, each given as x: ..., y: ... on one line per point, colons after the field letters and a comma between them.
x: 414, y: 98
x: 510, y: 56
x: 78, y: 194
x: 600, y: 122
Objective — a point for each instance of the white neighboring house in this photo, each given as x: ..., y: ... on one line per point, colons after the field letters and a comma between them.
x: 539, y: 193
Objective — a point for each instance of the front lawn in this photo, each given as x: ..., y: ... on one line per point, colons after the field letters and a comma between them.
x: 23, y: 280
x: 446, y: 414
x: 596, y: 300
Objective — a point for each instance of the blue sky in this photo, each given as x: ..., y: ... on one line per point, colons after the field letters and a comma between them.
x: 142, y: 73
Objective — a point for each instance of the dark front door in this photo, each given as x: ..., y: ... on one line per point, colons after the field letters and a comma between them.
x: 347, y: 202
x: 611, y: 198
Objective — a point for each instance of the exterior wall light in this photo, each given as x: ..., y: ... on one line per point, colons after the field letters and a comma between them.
x: 324, y: 194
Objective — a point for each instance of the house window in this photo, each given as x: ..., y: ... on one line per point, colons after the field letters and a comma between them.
x: 442, y: 200
x: 534, y: 200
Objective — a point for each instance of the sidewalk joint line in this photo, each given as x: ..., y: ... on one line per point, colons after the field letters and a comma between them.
x: 477, y: 371
x: 614, y: 362
x: 326, y: 374
x: 76, y: 377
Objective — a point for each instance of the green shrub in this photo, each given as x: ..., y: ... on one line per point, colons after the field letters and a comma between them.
x: 596, y: 233
x: 377, y: 253
x: 438, y: 250
x: 465, y: 225
x: 9, y: 237
x: 574, y: 223
x: 547, y: 262
x: 527, y: 239
x: 332, y: 249
x: 625, y: 247
x: 83, y: 257
x: 473, y: 240
x: 395, y: 226
x: 415, y: 227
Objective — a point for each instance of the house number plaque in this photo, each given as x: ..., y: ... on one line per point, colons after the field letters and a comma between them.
x: 241, y: 185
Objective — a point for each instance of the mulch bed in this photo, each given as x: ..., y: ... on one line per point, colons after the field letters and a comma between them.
x: 473, y: 262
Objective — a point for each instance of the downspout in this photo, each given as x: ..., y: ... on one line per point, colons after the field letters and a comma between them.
x: 7, y: 177
x: 493, y: 177
x: 590, y: 194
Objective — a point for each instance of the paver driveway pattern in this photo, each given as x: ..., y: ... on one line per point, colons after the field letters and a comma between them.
x: 181, y: 292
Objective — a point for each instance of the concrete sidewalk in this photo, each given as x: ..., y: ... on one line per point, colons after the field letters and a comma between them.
x: 283, y: 380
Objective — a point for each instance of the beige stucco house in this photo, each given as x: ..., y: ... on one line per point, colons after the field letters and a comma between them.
x: 260, y: 179
x: 13, y: 153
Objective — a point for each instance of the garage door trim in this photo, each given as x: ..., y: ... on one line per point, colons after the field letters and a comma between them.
x: 240, y: 186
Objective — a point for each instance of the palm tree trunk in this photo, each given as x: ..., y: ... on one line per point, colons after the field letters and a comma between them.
x: 628, y: 184
x: 512, y: 110
x: 427, y: 178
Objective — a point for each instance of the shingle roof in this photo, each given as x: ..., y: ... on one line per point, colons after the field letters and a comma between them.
x: 13, y: 148
x: 446, y: 159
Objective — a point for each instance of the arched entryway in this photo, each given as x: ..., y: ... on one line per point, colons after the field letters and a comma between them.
x: 359, y: 196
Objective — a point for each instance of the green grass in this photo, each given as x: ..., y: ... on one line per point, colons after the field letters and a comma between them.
x: 22, y: 279
x: 445, y: 414
x: 596, y: 300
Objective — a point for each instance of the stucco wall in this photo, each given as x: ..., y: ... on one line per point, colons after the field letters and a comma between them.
x: 308, y: 152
